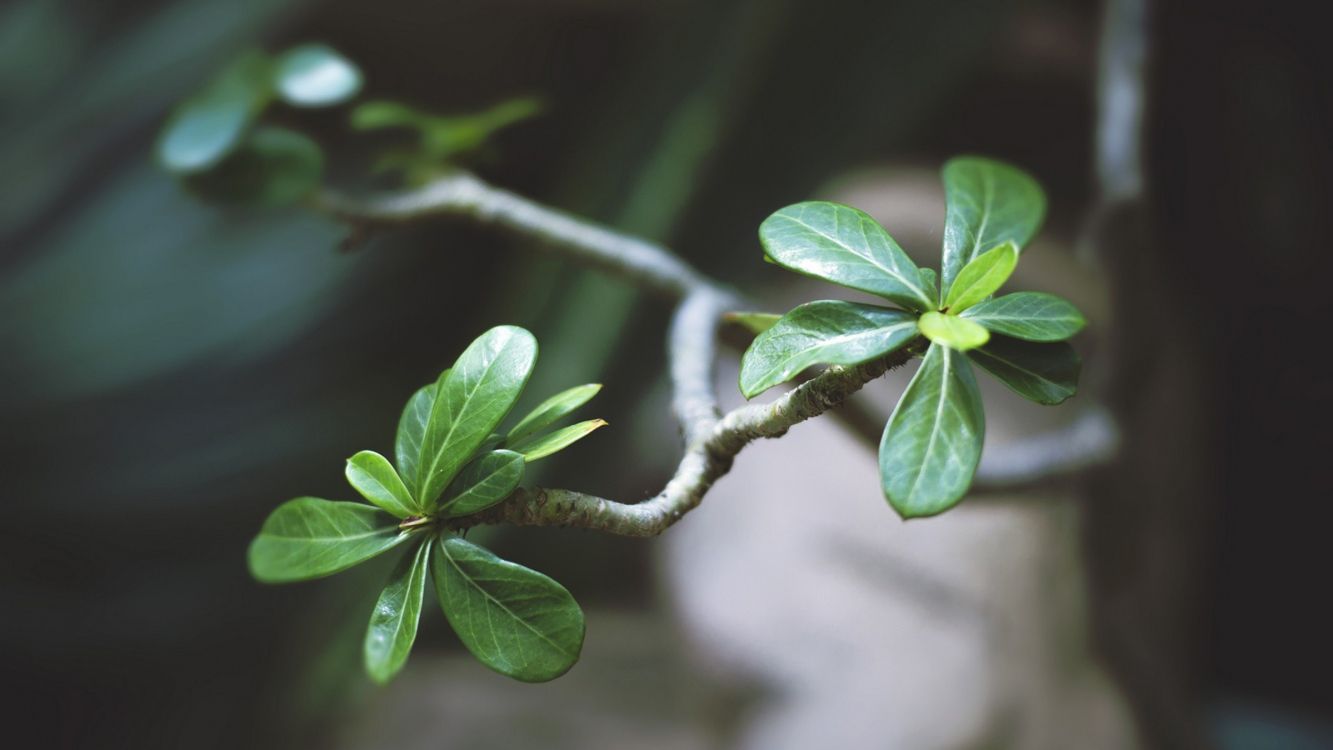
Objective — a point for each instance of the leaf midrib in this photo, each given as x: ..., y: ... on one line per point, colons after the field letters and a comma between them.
x: 1020, y: 368
x: 1031, y: 320
x: 935, y: 427
x: 922, y: 296
x: 453, y: 424
x: 352, y: 538
x: 885, y: 330
x: 410, y: 504
x: 444, y: 549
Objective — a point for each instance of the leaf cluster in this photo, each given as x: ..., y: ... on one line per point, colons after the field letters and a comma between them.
x: 449, y: 462
x: 214, y: 143
x: 218, y: 145
x: 932, y: 441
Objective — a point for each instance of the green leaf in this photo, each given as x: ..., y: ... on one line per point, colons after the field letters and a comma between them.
x: 470, y: 400
x: 411, y: 429
x: 552, y: 410
x: 824, y: 332
x: 381, y: 114
x: 1045, y: 373
x: 309, y: 538
x: 756, y: 322
x: 273, y: 167
x: 445, y: 137
x: 535, y: 447
x: 1033, y: 316
x: 988, y: 203
x: 843, y: 245
x: 313, y: 75
x: 209, y: 125
x: 515, y: 620
x: 371, y: 474
x: 441, y: 137
x: 930, y: 280
x: 483, y: 483
x: 982, y: 277
x: 932, y: 443
x: 393, y: 623
x: 952, y: 331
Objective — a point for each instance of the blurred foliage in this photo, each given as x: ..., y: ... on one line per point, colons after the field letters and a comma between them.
x: 271, y: 167
x: 210, y: 141
x: 439, y: 140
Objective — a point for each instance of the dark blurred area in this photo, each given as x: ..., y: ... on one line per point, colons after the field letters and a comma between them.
x: 169, y: 370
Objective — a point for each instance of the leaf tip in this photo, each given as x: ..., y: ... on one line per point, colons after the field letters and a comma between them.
x: 913, y: 511
x: 749, y: 390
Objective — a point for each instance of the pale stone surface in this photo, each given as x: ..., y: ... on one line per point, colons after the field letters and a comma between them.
x: 965, y: 630
x: 631, y: 689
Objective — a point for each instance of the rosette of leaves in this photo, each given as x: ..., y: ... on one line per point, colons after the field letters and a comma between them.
x: 216, y: 145
x: 932, y: 442
x: 449, y: 463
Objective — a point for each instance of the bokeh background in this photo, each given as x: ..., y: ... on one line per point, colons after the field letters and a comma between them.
x: 170, y: 370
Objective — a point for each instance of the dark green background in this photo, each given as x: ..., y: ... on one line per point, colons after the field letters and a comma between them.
x: 169, y: 371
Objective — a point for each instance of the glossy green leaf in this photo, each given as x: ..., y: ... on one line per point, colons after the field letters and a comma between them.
x: 541, y: 446
x: 314, y: 75
x: 208, y: 126
x: 932, y: 442
x: 930, y: 280
x: 371, y: 474
x: 309, y: 538
x: 515, y: 620
x: 987, y: 203
x: 1045, y: 373
x: 552, y: 410
x: 273, y: 167
x: 952, y: 331
x: 483, y: 483
x: 393, y: 623
x: 843, y: 245
x: 825, y: 332
x: 1033, y: 316
x: 411, y: 429
x: 982, y: 277
x: 755, y: 322
x: 470, y: 400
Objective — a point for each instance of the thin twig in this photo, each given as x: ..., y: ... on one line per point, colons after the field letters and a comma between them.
x: 642, y: 263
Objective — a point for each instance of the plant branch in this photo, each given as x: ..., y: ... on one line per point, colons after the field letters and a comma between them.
x: 707, y: 458
x: 711, y: 440
x: 645, y: 264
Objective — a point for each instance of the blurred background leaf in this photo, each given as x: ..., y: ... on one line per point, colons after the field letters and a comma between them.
x: 315, y: 75
x: 273, y: 167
